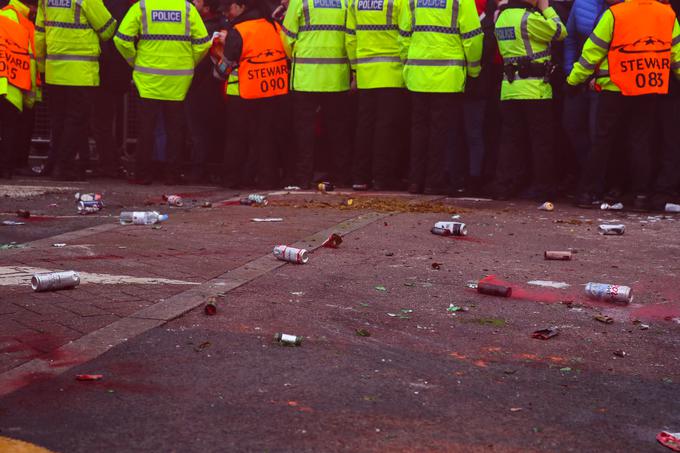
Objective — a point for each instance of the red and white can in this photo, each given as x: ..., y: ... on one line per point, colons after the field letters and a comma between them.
x: 291, y: 254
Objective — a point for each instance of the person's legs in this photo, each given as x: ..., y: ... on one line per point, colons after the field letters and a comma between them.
x: 640, y: 110
x: 23, y: 141
x: 9, y: 127
x: 365, y: 137
x: 576, y: 122
x: 668, y: 179
x: 388, y: 137
x: 74, y: 136
x: 103, y: 117
x: 304, y: 112
x: 149, y: 111
x: 510, y: 159
x: 173, y: 115
x: 336, y: 110
x: 420, y: 139
x: 262, y: 118
x: 445, y: 110
x: 539, y: 117
x: 474, y: 134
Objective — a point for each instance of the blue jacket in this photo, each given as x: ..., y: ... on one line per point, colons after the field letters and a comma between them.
x: 583, y: 17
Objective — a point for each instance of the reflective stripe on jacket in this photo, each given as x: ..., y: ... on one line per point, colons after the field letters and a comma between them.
x: 67, y: 40
x: 163, y: 40
x: 594, y: 59
x: 441, y: 44
x: 372, y: 43
x: 524, y: 34
x: 313, y: 34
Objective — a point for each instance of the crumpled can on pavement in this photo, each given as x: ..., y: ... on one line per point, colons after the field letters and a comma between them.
x: 670, y: 440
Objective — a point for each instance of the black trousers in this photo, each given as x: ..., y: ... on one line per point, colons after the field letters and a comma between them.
x: 23, y: 143
x: 70, y: 108
x: 237, y: 171
x: 522, y: 120
x: 205, y: 115
x: 9, y: 128
x: 668, y: 178
x: 173, y: 117
x: 335, y: 110
x: 617, y: 114
x: 105, y: 107
x: 262, y: 118
x: 380, y: 134
x: 431, y: 117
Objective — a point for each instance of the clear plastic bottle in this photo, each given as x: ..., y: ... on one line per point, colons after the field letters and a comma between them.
x: 142, y: 218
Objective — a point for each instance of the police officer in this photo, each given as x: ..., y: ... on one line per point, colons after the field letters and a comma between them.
x: 524, y: 31
x: 17, y: 82
x: 635, y: 45
x: 313, y: 34
x: 67, y: 47
x: 373, y: 48
x: 441, y: 45
x: 163, y: 40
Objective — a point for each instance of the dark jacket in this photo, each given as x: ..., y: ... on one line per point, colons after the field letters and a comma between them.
x: 114, y: 72
x: 233, y: 46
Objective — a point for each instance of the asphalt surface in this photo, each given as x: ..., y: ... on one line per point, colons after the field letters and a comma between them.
x: 384, y: 365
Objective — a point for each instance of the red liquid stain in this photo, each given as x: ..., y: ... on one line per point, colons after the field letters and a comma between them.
x: 34, y: 345
x: 230, y: 203
x: 97, y: 257
x: 656, y: 312
x: 530, y: 294
x: 205, y: 193
x: 39, y: 218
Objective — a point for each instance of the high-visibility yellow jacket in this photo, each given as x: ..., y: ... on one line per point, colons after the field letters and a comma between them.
x: 313, y: 35
x: 67, y: 40
x: 18, y: 12
x: 163, y: 40
x: 594, y: 60
x: 372, y: 42
x: 441, y: 44
x: 524, y: 35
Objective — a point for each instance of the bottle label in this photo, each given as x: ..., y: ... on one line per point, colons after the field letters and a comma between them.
x: 285, y: 338
x: 138, y: 218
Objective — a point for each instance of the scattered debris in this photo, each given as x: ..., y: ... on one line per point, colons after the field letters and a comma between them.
x: 202, y: 346
x: 672, y: 207
x: 611, y: 207
x: 454, y: 308
x: 291, y: 254
x: 11, y: 245
x: 267, y: 219
x: 12, y: 223
x: 557, y: 255
x: 89, y: 377
x: 206, y: 204
x: 59, y: 245
x: 325, y: 186
x: 210, y: 308
x: 609, y: 293
x: 348, y: 202
x: 604, y: 319
x: 287, y: 340
x: 381, y: 288
x: 449, y: 229
x: 455, y: 216
x: 89, y: 207
x: 363, y: 333
x: 55, y: 280
x: 333, y: 241
x: 545, y: 334
x: 566, y: 369
x: 547, y: 206
x: 142, y: 217
x: 389, y: 253
x: 549, y: 284
x: 670, y: 440
x: 291, y: 188
x: 436, y: 266
x: 620, y: 353
x: 173, y: 200
x: 23, y: 213
x: 491, y: 289
x: 612, y: 230
x: 515, y: 409
x: 88, y: 196
x: 254, y: 199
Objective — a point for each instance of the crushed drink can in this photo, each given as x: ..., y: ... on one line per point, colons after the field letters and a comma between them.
x: 254, y: 198
x: 491, y: 289
x: 610, y: 293
x: 210, y: 308
x: 88, y: 196
x: 86, y: 207
x: 557, y: 255
x: 291, y: 254
x: 325, y: 186
x: 333, y: 241
x: 547, y: 206
x: 450, y: 229
x: 288, y: 340
x: 614, y: 230
x: 54, y: 280
x: 611, y: 207
x: 174, y: 200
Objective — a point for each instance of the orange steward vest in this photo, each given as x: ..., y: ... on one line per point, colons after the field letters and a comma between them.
x: 15, y: 59
x: 263, y: 68
x: 640, y: 51
x: 28, y: 25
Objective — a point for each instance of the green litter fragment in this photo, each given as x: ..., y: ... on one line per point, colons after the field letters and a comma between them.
x: 363, y: 304
x: 406, y: 310
x: 12, y: 245
x: 363, y: 333
x: 454, y: 308
x: 667, y: 380
x: 565, y: 369
x: 381, y: 288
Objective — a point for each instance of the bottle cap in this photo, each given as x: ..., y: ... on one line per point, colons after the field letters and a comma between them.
x: 162, y: 217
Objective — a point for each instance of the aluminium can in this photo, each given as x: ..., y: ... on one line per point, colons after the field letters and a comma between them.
x: 255, y: 198
x: 609, y: 293
x: 612, y: 229
x: 291, y: 254
x: 450, y: 229
x: 86, y: 207
x: 88, y: 196
x: 559, y: 255
x: 288, y: 340
x: 175, y: 200
x: 55, y: 280
x: 491, y: 289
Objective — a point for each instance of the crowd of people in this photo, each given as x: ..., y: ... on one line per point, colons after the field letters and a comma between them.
x: 510, y: 98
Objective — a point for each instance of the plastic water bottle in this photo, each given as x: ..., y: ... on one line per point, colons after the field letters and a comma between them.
x: 142, y: 218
